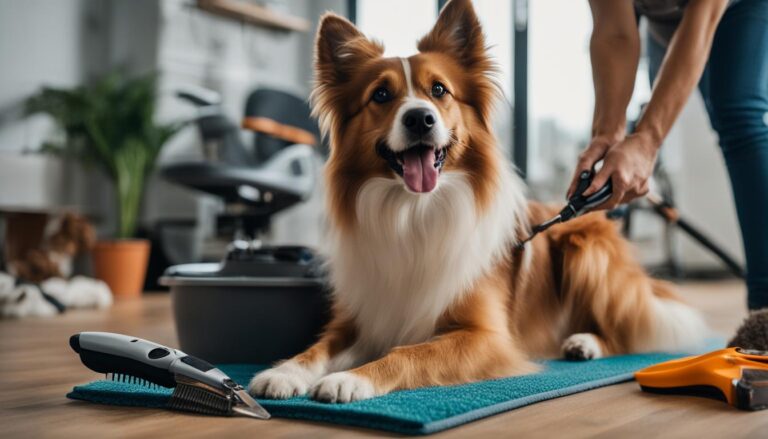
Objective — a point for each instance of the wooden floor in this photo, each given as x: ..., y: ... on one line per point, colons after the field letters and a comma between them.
x: 37, y: 368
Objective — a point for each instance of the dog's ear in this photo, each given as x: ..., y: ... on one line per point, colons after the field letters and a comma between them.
x: 340, y: 47
x: 459, y: 34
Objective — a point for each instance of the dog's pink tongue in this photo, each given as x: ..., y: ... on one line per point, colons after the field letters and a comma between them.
x: 419, y: 170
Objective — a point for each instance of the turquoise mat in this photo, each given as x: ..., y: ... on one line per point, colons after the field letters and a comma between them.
x: 420, y: 411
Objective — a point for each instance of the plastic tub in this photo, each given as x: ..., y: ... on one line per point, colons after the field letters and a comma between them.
x: 225, y: 317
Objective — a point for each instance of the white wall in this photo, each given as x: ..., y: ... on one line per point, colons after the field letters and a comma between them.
x: 57, y: 43
x: 43, y: 42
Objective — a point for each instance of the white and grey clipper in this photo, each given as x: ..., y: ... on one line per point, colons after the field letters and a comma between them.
x: 199, y: 387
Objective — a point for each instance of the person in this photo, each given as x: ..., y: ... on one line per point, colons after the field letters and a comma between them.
x: 720, y: 45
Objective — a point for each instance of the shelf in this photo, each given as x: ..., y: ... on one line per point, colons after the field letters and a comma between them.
x: 254, y: 14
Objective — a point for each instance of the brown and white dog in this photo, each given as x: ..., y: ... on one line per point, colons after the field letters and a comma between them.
x: 425, y: 214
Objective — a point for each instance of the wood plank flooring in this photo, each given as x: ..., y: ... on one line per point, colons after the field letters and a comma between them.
x: 37, y: 368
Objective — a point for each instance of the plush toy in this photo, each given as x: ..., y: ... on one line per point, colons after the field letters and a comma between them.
x: 38, y: 283
x: 50, y: 297
x: 753, y: 333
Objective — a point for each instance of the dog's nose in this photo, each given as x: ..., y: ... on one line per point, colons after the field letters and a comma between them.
x: 419, y: 120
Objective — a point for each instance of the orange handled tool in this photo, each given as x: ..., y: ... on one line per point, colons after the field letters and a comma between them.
x: 738, y: 376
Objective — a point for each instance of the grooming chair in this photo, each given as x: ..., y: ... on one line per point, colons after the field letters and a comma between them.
x: 253, y: 185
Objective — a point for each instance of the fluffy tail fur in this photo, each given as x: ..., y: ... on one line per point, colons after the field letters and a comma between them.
x: 609, y: 294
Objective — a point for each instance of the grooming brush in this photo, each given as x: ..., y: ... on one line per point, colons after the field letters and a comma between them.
x: 577, y: 205
x: 199, y: 387
x: 737, y: 376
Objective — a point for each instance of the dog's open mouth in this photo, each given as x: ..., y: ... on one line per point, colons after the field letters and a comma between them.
x: 419, y: 165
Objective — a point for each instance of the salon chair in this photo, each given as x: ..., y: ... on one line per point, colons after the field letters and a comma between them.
x: 278, y: 172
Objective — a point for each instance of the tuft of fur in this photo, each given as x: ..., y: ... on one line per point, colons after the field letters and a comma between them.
x: 753, y: 332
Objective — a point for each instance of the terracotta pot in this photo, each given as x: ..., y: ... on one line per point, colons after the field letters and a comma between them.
x: 122, y: 264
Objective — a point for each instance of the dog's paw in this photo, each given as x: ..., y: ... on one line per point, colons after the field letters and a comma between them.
x: 582, y: 346
x: 343, y: 387
x: 284, y: 381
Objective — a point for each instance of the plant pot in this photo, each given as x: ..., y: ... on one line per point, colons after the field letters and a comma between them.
x: 122, y: 264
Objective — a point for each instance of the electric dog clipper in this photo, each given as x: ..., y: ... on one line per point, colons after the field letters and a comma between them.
x: 199, y: 386
x: 577, y: 205
x: 738, y: 376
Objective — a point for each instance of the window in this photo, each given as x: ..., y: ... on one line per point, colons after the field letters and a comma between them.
x: 560, y: 90
x: 397, y: 23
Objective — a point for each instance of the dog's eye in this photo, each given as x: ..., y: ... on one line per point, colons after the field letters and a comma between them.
x: 438, y: 90
x: 381, y: 95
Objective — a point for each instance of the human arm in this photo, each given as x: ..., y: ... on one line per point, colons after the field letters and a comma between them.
x: 629, y: 162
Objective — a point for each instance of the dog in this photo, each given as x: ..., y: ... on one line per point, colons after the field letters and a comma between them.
x: 50, y: 297
x: 73, y: 235
x: 424, y: 216
x: 39, y: 283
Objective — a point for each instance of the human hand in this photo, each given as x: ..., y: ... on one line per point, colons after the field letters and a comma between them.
x: 628, y: 163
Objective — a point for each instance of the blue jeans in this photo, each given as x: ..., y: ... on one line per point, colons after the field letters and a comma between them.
x: 735, y: 90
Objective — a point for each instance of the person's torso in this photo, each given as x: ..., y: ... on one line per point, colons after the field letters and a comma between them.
x: 661, y: 10
x: 663, y: 16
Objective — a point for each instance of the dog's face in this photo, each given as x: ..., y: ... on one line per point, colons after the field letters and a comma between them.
x: 409, y: 119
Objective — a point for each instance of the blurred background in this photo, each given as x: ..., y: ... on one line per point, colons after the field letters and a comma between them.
x: 220, y: 87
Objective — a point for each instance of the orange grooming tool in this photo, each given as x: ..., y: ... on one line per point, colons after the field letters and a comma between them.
x: 735, y: 375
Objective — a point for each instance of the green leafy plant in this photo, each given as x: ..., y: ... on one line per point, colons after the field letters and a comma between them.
x: 111, y: 124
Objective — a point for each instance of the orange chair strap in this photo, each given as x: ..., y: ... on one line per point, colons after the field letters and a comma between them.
x: 281, y: 131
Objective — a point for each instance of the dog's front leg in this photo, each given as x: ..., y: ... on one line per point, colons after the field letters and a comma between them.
x: 457, y: 357
x: 477, y: 346
x: 295, y: 376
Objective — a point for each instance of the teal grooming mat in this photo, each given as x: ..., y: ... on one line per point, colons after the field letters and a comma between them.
x: 420, y: 411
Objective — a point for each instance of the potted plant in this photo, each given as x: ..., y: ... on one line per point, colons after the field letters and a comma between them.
x: 111, y: 124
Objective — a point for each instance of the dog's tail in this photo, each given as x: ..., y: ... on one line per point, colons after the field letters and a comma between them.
x: 674, y: 325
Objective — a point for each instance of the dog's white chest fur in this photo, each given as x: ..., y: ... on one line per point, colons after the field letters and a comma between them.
x: 411, y: 255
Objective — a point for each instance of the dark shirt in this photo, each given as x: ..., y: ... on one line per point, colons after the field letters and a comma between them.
x: 663, y: 16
